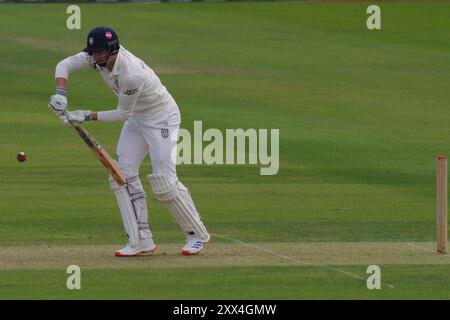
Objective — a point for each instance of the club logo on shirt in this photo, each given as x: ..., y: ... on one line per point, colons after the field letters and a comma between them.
x: 130, y: 92
x: 165, y: 133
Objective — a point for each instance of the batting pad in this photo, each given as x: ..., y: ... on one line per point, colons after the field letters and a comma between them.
x: 179, y: 202
x: 126, y: 211
x: 138, y: 200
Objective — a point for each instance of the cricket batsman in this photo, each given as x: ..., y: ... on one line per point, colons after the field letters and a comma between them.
x: 151, y: 117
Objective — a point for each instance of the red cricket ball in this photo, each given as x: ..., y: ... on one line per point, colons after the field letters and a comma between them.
x: 21, y: 156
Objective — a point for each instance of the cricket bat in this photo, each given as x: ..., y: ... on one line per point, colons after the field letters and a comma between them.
x: 101, y: 154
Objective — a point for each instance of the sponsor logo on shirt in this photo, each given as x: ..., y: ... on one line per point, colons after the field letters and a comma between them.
x: 130, y: 92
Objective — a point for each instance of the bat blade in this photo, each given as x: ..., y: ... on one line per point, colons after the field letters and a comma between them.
x: 101, y: 154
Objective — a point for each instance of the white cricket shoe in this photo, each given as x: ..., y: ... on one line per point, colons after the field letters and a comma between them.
x: 194, y: 245
x: 143, y: 247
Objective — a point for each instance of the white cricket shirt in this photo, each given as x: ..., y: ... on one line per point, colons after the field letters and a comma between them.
x: 139, y: 90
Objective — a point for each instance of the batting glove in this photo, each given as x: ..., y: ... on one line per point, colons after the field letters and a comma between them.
x: 79, y: 116
x: 58, y: 104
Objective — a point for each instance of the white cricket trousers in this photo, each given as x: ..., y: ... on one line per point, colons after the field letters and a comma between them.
x: 140, y: 138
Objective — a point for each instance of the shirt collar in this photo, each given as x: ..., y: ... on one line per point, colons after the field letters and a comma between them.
x: 115, y: 71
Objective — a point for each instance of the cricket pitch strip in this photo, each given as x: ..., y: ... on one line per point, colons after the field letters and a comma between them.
x: 222, y: 254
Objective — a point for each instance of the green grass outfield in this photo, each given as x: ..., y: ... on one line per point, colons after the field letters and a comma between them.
x: 362, y: 115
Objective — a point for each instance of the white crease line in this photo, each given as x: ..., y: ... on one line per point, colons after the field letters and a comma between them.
x: 355, y: 276
x: 424, y: 249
